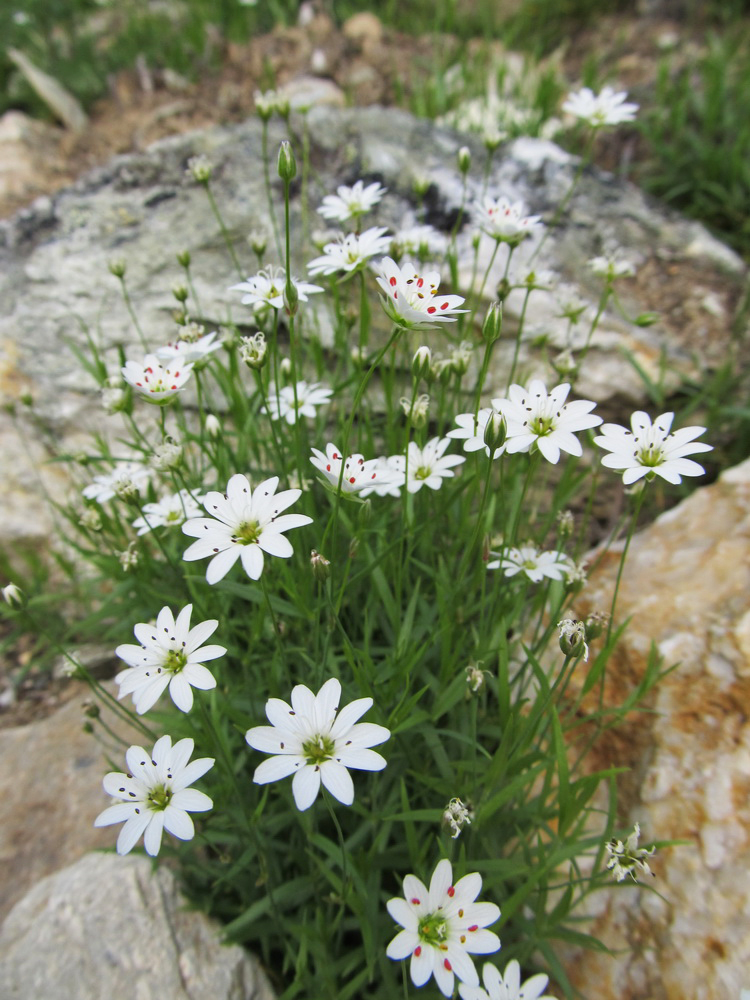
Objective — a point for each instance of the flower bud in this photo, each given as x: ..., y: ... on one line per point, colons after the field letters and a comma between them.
x: 475, y: 677
x: 504, y: 288
x: 495, y: 432
x: 90, y: 519
x: 167, y: 455
x: 117, y: 267
x: 291, y: 298
x: 287, y: 165
x: 565, y: 364
x: 493, y: 323
x: 12, y: 594
x: 180, y: 317
x: 258, y: 242
x: 200, y: 169
x: 596, y: 623
x: 183, y: 258
x: 180, y: 292
x: 460, y: 358
x: 212, y: 425
x: 464, y: 159
x: 321, y: 567
x: 647, y: 319
x: 91, y: 709
x: 573, y: 638
x: 285, y: 367
x: 420, y: 365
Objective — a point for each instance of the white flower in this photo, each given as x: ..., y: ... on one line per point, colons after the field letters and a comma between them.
x: 358, y: 474
x: 534, y: 417
x: 126, y: 479
x: 155, y: 795
x: 156, y: 382
x: 167, y: 455
x: 269, y: 101
x: 12, y: 594
x: 170, y: 654
x: 310, y: 741
x: 253, y: 350
x: 507, y: 986
x: 456, y: 816
x: 442, y: 927
x: 419, y: 241
x: 627, y: 858
x: 504, y: 221
x: 351, y: 202
x: 650, y: 449
x: 411, y: 299
x: 533, y: 563
x: 170, y: 510
x: 265, y: 289
x: 611, y: 267
x: 189, y: 349
x: 129, y: 557
x: 244, y: 523
x: 350, y: 252
x: 606, y: 108
x: 282, y: 407
x: 471, y: 429
x: 428, y: 466
x: 390, y: 472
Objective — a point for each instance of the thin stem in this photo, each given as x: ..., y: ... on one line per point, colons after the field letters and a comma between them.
x: 621, y: 567
x: 129, y: 306
x: 224, y: 231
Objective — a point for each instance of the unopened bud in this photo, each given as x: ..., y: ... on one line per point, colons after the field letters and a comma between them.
x: 117, y: 267
x: 464, y: 159
x: 287, y: 165
x: 565, y: 364
x: 291, y: 298
x: 212, y: 425
x: 493, y: 323
x: 200, y: 169
x: 504, y: 288
x: 258, y: 242
x: 183, y: 258
x: 460, y: 358
x: 495, y: 432
x: 647, y: 319
x: 573, y: 638
x: 321, y: 567
x: 180, y: 292
x: 285, y: 367
x: 596, y: 623
x: 420, y: 365
x: 91, y: 709
x: 180, y: 317
x: 421, y: 185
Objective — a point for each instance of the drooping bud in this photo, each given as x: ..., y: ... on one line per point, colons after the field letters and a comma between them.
x: 321, y: 567
x: 212, y: 425
x: 287, y: 165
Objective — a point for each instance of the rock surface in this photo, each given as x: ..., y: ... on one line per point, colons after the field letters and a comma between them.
x: 56, y: 287
x: 51, y: 786
x: 113, y: 927
x: 687, y: 587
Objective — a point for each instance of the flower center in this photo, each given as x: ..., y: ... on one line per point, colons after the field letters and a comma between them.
x: 423, y: 472
x: 650, y: 455
x: 318, y: 749
x: 433, y: 929
x: 174, y: 661
x: 542, y: 425
x: 248, y: 533
x: 158, y: 798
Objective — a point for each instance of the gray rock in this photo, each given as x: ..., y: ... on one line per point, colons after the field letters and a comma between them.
x: 113, y: 927
x: 56, y: 287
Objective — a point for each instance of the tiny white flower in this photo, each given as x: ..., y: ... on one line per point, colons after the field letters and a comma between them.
x: 411, y: 299
x: 535, y: 564
x: 282, y: 407
x: 189, y: 349
x: 419, y: 241
x: 442, y: 927
x: 351, y: 202
x: 651, y: 450
x: 428, y: 466
x: 456, y: 816
x: 156, y: 382
x: 628, y: 858
x: 169, y: 511
x: 155, y: 794
x: 244, y: 523
x: 504, y: 221
x: 268, y: 102
x: 390, y: 477
x: 611, y: 267
x: 471, y: 429
x: 265, y: 290
x: 351, y: 252
x: 253, y: 350
x: 311, y: 741
x: 129, y: 557
x: 167, y: 455
x: 126, y: 479
x: 171, y: 654
x: 199, y: 168
x: 535, y: 417
x: 507, y: 986
x: 606, y: 108
x: 12, y: 594
x: 358, y: 474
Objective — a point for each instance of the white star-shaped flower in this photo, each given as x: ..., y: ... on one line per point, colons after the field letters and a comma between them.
x: 471, y: 429
x: 442, y: 927
x: 535, y: 564
x: 244, y: 523
x: 154, y: 795
x: 265, y: 290
x: 311, y: 741
x: 504, y: 220
x: 170, y: 654
x: 507, y: 986
x: 359, y: 474
x: 157, y: 382
x: 281, y: 407
x: 389, y: 477
x: 351, y: 202
x: 411, y: 299
x: 193, y: 350
x: 351, y: 252
x: 611, y: 267
x: 428, y: 466
x: 127, y: 478
x: 420, y: 241
x: 170, y: 510
x: 651, y: 450
x: 606, y: 108
x: 535, y: 417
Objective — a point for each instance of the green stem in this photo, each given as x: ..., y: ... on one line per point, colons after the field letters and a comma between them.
x: 621, y: 567
x: 224, y: 232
